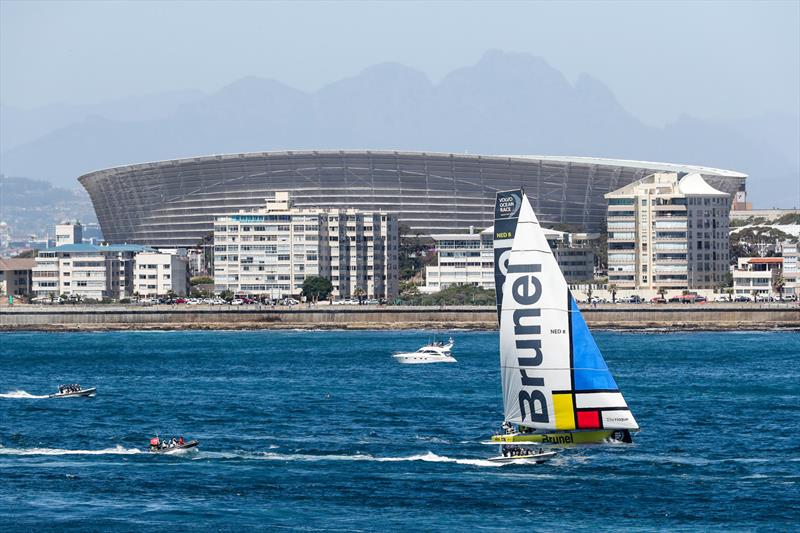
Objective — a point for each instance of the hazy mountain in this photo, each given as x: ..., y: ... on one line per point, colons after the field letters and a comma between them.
x: 504, y: 104
x: 34, y: 207
x: 19, y: 126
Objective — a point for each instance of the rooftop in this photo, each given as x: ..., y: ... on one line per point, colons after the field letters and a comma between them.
x: 17, y: 263
x: 99, y: 248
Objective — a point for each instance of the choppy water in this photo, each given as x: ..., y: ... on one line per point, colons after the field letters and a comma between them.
x: 322, y: 430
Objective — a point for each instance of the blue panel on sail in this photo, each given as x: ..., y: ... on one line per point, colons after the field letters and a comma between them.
x: 590, y: 370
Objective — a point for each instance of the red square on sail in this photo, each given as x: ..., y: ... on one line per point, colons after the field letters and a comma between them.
x: 588, y: 419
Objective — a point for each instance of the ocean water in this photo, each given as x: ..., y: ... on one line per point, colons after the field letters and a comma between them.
x: 323, y: 430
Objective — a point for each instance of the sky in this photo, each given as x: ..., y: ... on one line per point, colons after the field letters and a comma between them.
x: 661, y: 59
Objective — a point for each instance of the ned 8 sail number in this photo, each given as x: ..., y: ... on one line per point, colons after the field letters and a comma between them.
x: 557, y: 331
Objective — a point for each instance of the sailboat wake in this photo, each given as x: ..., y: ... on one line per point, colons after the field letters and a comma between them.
x: 21, y: 394
x: 428, y: 457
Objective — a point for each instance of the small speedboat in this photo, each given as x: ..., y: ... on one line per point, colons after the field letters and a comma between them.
x: 435, y: 352
x: 157, y: 446
x: 523, y: 456
x: 64, y: 392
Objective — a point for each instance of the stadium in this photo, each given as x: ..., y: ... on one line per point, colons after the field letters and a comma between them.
x: 172, y: 203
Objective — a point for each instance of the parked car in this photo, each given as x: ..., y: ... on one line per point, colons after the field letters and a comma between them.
x: 742, y: 298
x: 237, y: 301
x: 658, y: 300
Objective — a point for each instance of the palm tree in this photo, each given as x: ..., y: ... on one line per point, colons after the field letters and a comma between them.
x: 612, y: 288
x: 359, y: 293
x: 729, y: 292
x: 589, y: 292
x: 662, y: 292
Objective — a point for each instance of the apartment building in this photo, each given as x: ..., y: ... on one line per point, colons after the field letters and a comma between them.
x: 160, y: 274
x: 85, y: 270
x: 791, y: 268
x: 272, y: 251
x: 668, y: 231
x: 756, y: 276
x: 468, y: 258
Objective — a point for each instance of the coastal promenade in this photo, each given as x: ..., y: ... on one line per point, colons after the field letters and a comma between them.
x: 710, y: 316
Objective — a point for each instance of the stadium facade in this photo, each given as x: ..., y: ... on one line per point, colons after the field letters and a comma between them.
x: 173, y: 203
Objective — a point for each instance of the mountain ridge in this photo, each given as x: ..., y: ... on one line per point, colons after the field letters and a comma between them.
x: 504, y: 103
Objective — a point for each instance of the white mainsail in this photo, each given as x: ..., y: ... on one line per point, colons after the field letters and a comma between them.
x: 554, y: 377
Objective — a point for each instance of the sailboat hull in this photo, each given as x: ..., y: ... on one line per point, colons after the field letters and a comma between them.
x: 561, y: 437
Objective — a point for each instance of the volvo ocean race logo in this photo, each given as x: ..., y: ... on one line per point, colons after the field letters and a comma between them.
x: 526, y: 291
x: 508, y: 205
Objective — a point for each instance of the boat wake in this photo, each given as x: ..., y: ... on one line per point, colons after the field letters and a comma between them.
x: 428, y: 457
x: 21, y: 394
x: 117, y: 450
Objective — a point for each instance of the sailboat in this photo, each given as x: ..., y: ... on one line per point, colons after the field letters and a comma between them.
x: 557, y: 388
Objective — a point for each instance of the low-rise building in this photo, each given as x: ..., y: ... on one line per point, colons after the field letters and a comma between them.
x: 756, y: 277
x: 271, y: 251
x: 468, y: 258
x: 16, y: 276
x: 69, y: 233
x: 668, y: 231
x: 160, y: 274
x: 85, y: 270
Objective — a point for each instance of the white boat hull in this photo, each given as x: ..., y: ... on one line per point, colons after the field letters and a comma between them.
x: 77, y: 394
x: 534, y: 458
x: 191, y: 445
x: 418, y: 359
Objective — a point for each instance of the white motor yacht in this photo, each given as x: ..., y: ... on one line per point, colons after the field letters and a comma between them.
x: 435, y: 352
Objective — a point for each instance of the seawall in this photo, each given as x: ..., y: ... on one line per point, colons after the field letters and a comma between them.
x: 717, y: 316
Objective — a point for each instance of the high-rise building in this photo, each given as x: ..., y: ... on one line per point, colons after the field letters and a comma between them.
x: 271, y: 251
x: 668, y: 231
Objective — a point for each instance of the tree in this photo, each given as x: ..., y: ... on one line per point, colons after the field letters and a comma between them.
x: 612, y: 288
x: 206, y: 244
x: 359, y: 293
x: 201, y: 280
x: 589, y: 292
x: 226, y: 295
x: 662, y: 292
x: 778, y: 285
x: 414, y: 253
x: 408, y: 290
x: 316, y: 288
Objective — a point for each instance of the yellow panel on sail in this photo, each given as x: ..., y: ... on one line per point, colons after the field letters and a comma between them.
x: 564, y: 410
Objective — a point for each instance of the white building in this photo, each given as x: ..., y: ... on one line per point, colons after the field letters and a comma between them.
x: 756, y: 276
x: 85, y: 270
x: 666, y: 231
x: 468, y: 259
x: 159, y: 274
x: 791, y: 268
x: 69, y: 233
x: 272, y: 251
